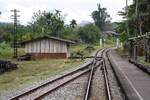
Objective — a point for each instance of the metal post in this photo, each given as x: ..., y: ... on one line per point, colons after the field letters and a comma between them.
x: 117, y: 43
x: 15, y: 16
x: 135, y: 52
x: 101, y: 43
x: 131, y: 49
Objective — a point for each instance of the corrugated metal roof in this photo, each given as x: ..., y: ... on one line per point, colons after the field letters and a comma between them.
x: 49, y: 37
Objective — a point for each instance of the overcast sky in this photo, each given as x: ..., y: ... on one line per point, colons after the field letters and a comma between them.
x: 79, y: 10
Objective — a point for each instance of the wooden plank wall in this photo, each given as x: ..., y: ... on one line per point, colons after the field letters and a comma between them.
x: 46, y: 46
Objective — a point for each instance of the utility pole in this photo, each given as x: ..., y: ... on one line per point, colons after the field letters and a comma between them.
x: 58, y: 13
x: 15, y: 42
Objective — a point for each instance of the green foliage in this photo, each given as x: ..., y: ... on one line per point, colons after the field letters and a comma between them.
x: 123, y: 37
x: 89, y: 33
x: 30, y: 72
x: 5, y: 50
x: 73, y: 23
x: 100, y: 17
x: 70, y: 33
x: 48, y: 23
x: 6, y: 31
x: 110, y: 40
x: 138, y: 23
x: 27, y: 36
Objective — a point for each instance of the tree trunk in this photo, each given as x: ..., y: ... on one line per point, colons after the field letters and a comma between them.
x: 140, y: 27
x: 148, y: 4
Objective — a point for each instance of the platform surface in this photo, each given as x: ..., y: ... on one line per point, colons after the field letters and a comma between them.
x: 139, y: 80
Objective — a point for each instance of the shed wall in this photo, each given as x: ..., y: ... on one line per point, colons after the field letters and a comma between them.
x: 46, y: 46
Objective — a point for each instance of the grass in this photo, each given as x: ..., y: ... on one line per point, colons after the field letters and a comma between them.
x: 124, y: 53
x: 81, y: 47
x: 33, y: 71
x: 30, y: 72
x: 142, y: 60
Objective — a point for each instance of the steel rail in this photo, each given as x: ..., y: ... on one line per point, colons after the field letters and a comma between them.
x: 54, y: 80
x: 62, y: 84
x: 89, y: 83
x: 106, y: 81
x: 88, y: 89
x: 87, y: 94
x: 108, y: 92
x: 47, y: 83
x: 50, y: 91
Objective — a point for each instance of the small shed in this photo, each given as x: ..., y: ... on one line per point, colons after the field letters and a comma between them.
x: 48, y: 47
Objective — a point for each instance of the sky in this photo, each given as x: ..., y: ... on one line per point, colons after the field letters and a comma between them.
x: 80, y: 10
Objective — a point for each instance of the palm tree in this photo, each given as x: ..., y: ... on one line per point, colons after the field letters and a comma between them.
x: 101, y: 17
x: 73, y: 23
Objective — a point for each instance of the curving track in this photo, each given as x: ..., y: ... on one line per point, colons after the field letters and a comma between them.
x: 45, y: 89
x: 100, y: 59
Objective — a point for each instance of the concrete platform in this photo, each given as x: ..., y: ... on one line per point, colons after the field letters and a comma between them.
x: 135, y: 82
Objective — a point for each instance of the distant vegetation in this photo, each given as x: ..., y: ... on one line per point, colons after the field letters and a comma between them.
x: 101, y: 17
x: 52, y: 23
x: 137, y: 21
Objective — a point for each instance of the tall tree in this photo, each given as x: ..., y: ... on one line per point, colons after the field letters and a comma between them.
x: 48, y: 23
x: 73, y: 23
x: 89, y: 33
x: 137, y: 17
x: 100, y: 17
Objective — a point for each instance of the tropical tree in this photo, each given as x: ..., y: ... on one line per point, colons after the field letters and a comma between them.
x: 47, y: 23
x: 89, y: 33
x: 73, y: 23
x: 70, y: 33
x: 100, y: 17
x: 137, y: 17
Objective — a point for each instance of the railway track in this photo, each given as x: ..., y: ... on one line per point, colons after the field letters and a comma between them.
x: 108, y: 93
x: 45, y: 89
x: 110, y: 72
x: 108, y: 85
x: 88, y: 87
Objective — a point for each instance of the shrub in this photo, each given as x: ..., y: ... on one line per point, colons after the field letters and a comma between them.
x: 5, y: 50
